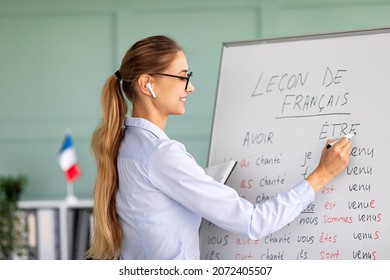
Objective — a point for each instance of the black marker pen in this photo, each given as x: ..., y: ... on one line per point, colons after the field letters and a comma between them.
x: 348, y: 136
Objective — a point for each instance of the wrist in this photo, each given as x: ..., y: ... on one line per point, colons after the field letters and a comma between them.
x: 318, y: 179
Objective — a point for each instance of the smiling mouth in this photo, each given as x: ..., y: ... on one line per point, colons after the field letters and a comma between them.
x: 183, y: 99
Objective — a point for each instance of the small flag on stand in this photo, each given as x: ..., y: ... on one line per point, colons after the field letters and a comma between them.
x: 67, y: 159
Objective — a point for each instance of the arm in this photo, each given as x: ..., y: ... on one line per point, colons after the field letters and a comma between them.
x: 176, y: 174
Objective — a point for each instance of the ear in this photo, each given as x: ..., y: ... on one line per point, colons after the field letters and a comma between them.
x: 143, y: 80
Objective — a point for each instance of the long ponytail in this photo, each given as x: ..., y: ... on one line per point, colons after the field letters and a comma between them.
x: 107, y: 234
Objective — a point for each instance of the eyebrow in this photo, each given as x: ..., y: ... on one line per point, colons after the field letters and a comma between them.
x: 184, y: 70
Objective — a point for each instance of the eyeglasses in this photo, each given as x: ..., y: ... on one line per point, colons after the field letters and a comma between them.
x: 187, y: 79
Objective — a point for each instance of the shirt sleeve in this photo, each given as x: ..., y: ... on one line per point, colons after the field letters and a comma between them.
x: 176, y: 174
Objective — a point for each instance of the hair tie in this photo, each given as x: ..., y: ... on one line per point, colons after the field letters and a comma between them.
x: 118, y: 75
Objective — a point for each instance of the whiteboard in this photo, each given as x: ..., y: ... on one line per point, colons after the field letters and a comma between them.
x: 277, y: 102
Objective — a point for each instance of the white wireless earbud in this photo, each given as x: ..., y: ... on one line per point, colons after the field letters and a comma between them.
x: 149, y: 87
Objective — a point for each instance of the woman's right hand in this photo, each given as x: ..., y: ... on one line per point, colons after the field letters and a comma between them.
x: 332, y: 162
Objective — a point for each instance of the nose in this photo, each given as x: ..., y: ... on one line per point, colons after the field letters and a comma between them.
x: 190, y: 87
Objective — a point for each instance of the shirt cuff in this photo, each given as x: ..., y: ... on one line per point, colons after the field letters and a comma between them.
x: 305, y: 192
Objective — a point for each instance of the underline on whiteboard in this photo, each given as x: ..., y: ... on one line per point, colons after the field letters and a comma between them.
x: 307, y: 212
x: 314, y: 115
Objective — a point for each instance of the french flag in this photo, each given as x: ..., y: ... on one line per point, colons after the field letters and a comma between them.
x: 67, y: 159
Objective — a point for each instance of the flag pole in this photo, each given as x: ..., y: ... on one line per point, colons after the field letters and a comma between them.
x: 70, y: 197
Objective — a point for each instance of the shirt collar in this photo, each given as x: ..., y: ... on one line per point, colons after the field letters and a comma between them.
x: 145, y: 124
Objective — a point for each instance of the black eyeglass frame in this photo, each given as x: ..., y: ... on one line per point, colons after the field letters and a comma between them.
x: 189, y: 75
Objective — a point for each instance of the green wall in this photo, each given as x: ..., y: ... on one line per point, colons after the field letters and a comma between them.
x: 56, y: 55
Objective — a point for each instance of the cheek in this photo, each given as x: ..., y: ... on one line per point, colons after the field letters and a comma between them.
x: 169, y: 94
x: 167, y: 102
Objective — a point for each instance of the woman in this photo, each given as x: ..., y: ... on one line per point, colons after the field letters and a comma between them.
x: 150, y: 194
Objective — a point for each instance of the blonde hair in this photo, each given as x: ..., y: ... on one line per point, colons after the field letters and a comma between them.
x: 150, y: 55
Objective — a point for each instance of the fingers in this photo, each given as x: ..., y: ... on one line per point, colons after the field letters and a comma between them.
x: 339, y: 155
x: 343, y: 142
x: 343, y: 147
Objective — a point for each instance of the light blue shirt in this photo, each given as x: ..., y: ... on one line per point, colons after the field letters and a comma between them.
x: 163, y: 195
